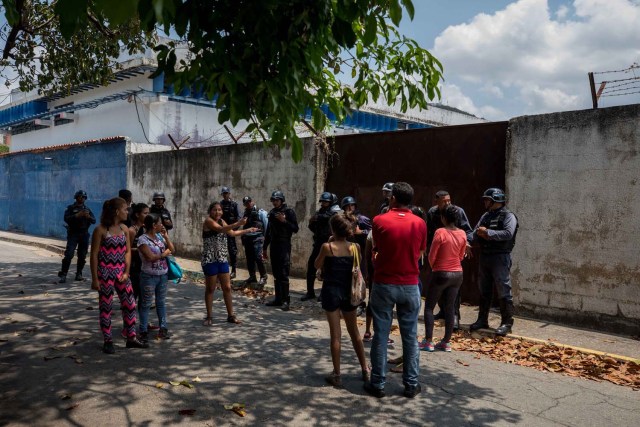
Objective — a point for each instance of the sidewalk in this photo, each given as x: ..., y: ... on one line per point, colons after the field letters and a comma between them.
x: 590, y: 341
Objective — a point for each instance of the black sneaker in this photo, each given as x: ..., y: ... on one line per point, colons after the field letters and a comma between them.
x: 78, y: 277
x: 250, y: 281
x: 63, y: 279
x: 373, y: 391
x: 285, y: 306
x: 164, y: 334
x: 274, y: 303
x: 108, y: 347
x: 136, y: 343
x: 61, y: 273
x: 308, y: 297
x: 143, y: 337
x: 412, y: 391
x: 263, y: 281
x: 233, y: 275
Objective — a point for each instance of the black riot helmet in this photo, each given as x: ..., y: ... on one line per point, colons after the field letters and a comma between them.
x: 334, y: 199
x: 388, y: 186
x: 495, y: 194
x: 158, y: 195
x: 277, y: 195
x: 347, y: 201
x: 326, y: 197
x: 80, y: 193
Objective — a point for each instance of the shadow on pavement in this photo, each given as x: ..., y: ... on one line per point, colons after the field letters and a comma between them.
x: 274, y: 362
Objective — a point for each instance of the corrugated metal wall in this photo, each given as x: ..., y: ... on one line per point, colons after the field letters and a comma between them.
x: 464, y: 160
x: 36, y: 186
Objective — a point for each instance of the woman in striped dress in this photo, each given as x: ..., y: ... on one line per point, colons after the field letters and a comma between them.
x: 110, y: 263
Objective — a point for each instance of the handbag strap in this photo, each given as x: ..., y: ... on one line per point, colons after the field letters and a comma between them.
x: 356, y: 257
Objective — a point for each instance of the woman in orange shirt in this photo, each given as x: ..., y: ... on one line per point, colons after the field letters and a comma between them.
x: 447, y: 251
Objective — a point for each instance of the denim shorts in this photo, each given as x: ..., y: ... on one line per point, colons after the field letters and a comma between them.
x: 215, y: 268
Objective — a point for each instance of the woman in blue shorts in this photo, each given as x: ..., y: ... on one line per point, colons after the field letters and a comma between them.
x: 215, y: 258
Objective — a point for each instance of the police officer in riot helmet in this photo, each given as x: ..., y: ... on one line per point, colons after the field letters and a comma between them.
x: 230, y: 214
x: 159, y: 209
x: 253, y: 242
x: 78, y: 218
x: 496, y: 235
x: 319, y: 226
x: 282, y: 224
x: 335, y: 205
x: 386, y: 194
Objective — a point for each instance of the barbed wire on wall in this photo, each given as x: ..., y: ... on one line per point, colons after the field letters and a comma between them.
x: 611, y: 87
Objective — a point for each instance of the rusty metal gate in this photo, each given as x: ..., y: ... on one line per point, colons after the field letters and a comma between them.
x: 464, y: 160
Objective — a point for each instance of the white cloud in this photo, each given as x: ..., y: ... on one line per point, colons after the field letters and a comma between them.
x: 562, y: 12
x: 453, y: 96
x: 524, y: 52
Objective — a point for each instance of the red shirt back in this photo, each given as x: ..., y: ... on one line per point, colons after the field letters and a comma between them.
x: 399, y: 237
x: 447, y: 250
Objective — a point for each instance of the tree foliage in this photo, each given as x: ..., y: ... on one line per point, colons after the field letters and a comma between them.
x: 267, y: 61
x: 38, y: 55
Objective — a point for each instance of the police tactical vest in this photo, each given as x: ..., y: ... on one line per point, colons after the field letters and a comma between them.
x: 253, y: 219
x: 229, y: 211
x: 279, y: 230
x: 496, y: 223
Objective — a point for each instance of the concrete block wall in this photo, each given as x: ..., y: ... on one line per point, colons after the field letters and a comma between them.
x: 573, y: 181
x: 191, y: 180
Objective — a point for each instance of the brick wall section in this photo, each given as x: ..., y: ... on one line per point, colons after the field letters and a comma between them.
x: 572, y: 179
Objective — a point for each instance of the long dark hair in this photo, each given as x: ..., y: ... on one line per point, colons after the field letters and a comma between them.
x: 110, y: 211
x: 151, y: 220
x: 137, y: 209
x: 341, y: 226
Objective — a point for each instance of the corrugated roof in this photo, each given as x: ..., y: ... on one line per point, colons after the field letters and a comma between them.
x: 67, y: 146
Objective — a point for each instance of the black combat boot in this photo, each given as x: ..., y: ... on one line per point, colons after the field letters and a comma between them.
x: 506, y: 312
x: 483, y: 316
x: 285, y: 304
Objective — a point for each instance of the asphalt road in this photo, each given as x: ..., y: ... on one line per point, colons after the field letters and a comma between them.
x: 52, y: 370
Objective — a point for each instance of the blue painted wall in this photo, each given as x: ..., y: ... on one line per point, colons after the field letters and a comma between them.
x: 37, y: 186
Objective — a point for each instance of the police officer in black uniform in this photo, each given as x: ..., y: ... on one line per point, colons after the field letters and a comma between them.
x: 253, y: 242
x: 386, y: 194
x: 230, y: 215
x: 319, y: 226
x: 158, y: 208
x: 496, y: 233
x: 283, y: 223
x: 443, y: 200
x: 78, y: 218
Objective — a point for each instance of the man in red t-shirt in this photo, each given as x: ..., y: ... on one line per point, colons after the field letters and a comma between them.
x: 400, y: 239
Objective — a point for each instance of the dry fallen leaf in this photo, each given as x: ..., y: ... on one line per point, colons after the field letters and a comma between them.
x: 174, y: 382
x: 238, y: 408
x: 196, y: 380
x: 188, y: 412
x: 65, y: 397
x: 75, y: 405
x: 160, y: 385
x: 462, y: 362
x: 186, y: 383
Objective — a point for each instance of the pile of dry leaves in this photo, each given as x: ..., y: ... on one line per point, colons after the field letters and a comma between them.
x: 551, y: 357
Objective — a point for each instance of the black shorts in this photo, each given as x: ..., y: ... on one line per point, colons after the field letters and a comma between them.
x: 336, y: 297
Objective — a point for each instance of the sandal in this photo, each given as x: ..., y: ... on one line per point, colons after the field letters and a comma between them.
x: 367, y: 337
x: 208, y: 321
x: 334, y: 379
x: 233, y: 319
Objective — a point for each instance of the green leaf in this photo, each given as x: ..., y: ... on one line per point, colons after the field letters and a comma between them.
x: 11, y: 12
x: 296, y: 149
x: 395, y: 12
x: 123, y: 12
x: 371, y: 31
x: 223, y: 116
x: 72, y: 14
x: 408, y: 4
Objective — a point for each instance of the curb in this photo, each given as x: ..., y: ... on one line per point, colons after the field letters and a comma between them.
x: 51, y: 248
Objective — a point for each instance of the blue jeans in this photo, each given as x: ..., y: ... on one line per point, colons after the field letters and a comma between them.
x: 151, y: 286
x: 406, y: 298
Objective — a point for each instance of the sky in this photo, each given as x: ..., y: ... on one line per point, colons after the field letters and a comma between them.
x: 504, y: 59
